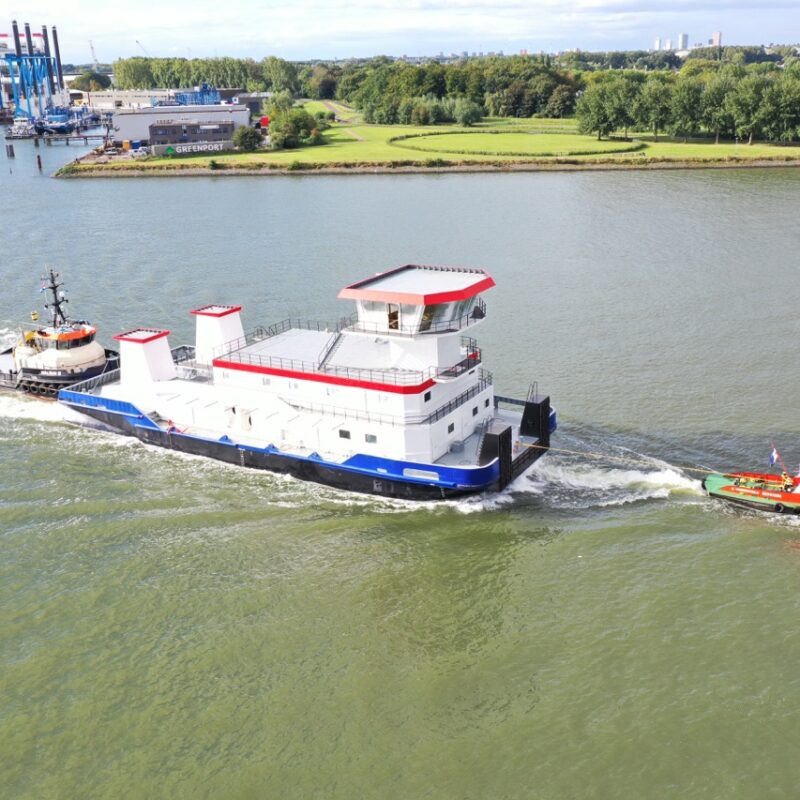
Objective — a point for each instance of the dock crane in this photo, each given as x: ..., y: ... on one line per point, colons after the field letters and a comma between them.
x: 143, y: 49
x: 94, y: 57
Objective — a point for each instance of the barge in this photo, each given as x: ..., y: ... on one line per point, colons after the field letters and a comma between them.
x: 394, y: 400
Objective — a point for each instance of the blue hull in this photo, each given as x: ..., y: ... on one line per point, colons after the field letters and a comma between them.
x: 361, y: 473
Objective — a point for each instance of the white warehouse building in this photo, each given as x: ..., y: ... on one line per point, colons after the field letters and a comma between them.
x: 134, y: 124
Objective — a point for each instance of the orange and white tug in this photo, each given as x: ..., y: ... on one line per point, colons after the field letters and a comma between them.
x: 57, y: 355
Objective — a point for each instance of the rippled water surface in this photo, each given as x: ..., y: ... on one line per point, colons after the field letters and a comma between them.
x: 174, y: 627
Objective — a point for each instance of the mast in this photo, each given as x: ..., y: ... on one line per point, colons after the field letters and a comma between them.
x: 55, y: 305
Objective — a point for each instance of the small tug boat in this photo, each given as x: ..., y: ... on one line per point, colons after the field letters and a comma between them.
x: 49, y: 358
x: 392, y: 401
x: 21, y: 128
x: 759, y: 490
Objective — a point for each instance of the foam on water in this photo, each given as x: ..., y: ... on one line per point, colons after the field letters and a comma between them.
x: 576, y: 484
x: 7, y: 337
x: 15, y: 405
x: 553, y: 481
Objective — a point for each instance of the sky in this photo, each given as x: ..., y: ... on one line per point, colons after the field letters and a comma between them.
x: 305, y: 29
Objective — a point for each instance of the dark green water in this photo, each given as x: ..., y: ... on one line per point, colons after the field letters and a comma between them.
x: 172, y: 627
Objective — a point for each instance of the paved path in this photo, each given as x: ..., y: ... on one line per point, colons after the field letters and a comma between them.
x: 338, y: 109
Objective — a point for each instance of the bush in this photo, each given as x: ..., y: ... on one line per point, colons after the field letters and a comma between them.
x: 467, y: 113
x: 295, y: 128
x: 247, y: 138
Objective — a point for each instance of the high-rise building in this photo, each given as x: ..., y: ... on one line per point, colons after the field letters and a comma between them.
x: 657, y: 43
x: 668, y: 44
x: 716, y: 39
x: 683, y: 41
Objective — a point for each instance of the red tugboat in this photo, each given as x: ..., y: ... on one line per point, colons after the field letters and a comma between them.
x: 764, y: 491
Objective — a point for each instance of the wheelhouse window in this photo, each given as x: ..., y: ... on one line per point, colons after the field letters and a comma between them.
x: 431, y: 315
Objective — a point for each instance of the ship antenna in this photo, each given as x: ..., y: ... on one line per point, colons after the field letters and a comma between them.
x: 55, y: 305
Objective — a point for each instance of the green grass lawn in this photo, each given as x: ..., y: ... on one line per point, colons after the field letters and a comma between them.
x: 510, y: 142
x: 499, y: 141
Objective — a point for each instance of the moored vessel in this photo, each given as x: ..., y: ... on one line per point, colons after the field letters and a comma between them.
x: 393, y: 401
x: 21, y: 128
x: 50, y: 357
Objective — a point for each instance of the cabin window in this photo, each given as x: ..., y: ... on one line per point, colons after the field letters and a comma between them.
x: 343, y: 434
x: 370, y: 438
x: 266, y: 381
x: 475, y: 411
x: 66, y: 344
x: 431, y: 315
x: 486, y: 402
x: 407, y: 315
x: 426, y: 396
x: 394, y: 316
x: 451, y: 427
x: 463, y: 308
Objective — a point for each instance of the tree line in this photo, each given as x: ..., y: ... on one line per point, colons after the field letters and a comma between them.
x: 733, y: 101
x: 269, y: 74
x: 724, y: 92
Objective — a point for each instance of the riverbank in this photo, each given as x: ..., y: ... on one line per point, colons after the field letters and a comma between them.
x: 493, y: 146
x: 137, y: 171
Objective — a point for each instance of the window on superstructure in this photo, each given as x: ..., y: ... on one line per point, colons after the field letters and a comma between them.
x: 426, y: 396
x: 475, y: 411
x: 343, y: 434
x: 486, y: 402
x: 370, y: 438
x: 451, y: 427
x: 431, y: 315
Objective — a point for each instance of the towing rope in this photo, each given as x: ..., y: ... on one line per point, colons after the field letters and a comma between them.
x: 622, y: 459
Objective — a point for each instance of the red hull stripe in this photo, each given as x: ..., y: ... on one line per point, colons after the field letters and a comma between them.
x: 320, y: 378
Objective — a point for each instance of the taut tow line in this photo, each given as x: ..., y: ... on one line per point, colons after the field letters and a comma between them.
x: 621, y: 459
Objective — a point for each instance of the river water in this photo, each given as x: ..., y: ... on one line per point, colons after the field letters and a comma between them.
x: 173, y: 627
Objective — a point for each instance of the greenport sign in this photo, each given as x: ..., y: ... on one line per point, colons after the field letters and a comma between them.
x: 190, y: 148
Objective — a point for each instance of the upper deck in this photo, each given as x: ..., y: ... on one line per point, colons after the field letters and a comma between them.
x: 340, y: 353
x: 415, y: 284
x: 416, y: 299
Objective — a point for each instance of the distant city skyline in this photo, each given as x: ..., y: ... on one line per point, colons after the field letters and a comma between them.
x: 309, y: 29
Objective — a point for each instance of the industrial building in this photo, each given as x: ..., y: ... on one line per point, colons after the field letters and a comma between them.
x: 181, y: 132
x: 135, y: 124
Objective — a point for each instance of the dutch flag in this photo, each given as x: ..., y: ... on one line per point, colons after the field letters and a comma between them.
x: 773, y: 457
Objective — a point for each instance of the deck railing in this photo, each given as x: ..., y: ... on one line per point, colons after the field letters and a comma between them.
x: 90, y: 385
x: 442, y: 326
x: 484, y: 382
x: 395, y: 419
